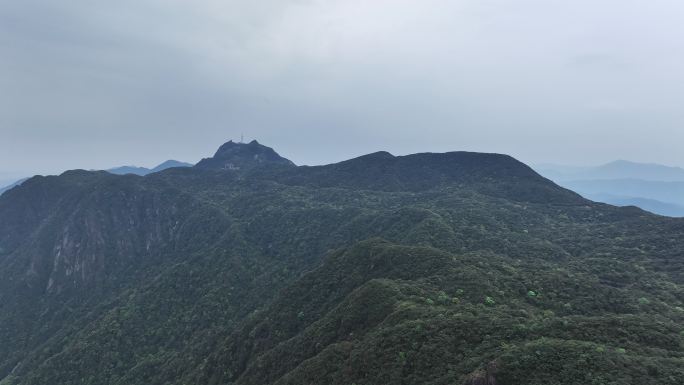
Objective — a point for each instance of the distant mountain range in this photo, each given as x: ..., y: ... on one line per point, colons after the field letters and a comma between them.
x: 652, y: 187
x: 619, y: 169
x: 123, y: 170
x: 652, y: 205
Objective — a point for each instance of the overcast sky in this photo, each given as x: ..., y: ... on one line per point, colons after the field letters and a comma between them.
x: 94, y: 84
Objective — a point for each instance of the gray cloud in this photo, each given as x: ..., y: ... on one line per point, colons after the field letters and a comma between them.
x: 95, y: 84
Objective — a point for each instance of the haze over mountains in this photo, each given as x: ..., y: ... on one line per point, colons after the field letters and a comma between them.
x: 619, y: 169
x: 123, y: 170
x: 431, y: 268
x: 653, y: 187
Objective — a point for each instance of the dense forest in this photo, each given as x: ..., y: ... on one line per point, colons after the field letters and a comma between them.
x: 442, y: 269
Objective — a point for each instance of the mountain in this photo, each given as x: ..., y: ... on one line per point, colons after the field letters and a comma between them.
x: 118, y: 171
x: 170, y: 164
x: 671, y: 192
x: 124, y: 170
x: 11, y: 185
x: 142, y: 171
x: 652, y: 187
x: 455, y: 268
x: 620, y: 169
x: 654, y: 206
x: 6, y: 180
x: 241, y: 156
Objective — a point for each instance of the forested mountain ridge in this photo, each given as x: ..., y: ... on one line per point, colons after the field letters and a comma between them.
x: 246, y: 269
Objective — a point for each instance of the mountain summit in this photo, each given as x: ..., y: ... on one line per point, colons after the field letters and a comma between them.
x: 242, y: 156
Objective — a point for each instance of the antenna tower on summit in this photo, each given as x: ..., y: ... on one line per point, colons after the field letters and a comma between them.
x: 242, y: 138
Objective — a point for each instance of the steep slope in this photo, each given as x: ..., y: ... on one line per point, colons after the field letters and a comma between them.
x: 428, y: 268
x: 71, y: 242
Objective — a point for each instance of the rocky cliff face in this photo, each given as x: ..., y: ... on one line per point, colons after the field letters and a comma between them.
x: 74, y: 239
x: 136, y: 224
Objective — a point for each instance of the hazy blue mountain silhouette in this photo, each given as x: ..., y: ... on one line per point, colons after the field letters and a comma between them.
x: 668, y: 192
x: 652, y: 187
x: 652, y: 205
x: 142, y: 171
x: 619, y: 169
x: 11, y: 185
x: 123, y: 170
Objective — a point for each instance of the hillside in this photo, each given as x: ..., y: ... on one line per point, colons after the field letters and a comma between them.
x: 446, y: 268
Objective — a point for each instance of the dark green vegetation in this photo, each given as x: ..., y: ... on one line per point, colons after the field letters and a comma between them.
x: 426, y: 269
